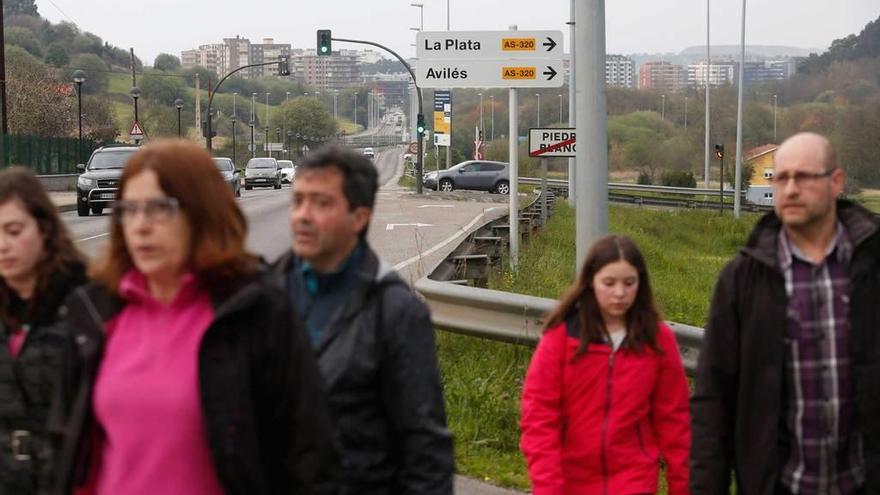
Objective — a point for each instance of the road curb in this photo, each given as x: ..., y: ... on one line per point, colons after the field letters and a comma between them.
x: 66, y: 208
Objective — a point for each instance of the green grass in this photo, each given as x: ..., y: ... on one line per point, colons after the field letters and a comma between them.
x: 119, y: 83
x: 407, y: 181
x: 482, y: 380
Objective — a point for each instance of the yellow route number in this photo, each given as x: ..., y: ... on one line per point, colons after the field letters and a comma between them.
x: 508, y: 73
x: 518, y: 44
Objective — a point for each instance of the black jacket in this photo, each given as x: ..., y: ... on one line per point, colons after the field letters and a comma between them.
x: 261, y: 392
x: 380, y: 370
x: 736, y: 408
x: 26, y: 387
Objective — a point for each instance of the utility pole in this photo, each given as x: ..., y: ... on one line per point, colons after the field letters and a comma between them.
x: 198, y: 109
x: 708, y: 69
x: 737, y: 176
x: 131, y: 64
x: 572, y: 110
x: 592, y: 127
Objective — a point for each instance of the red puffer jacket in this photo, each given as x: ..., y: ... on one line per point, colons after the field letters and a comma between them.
x: 601, y: 423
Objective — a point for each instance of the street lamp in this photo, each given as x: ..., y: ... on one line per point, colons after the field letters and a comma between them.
x: 79, y: 77
x: 355, y: 108
x: 233, y: 138
x: 178, y: 104
x: 663, y: 107
x: 775, y: 101
x: 289, y: 151
x: 492, y: 101
x: 268, y: 148
x: 253, y: 123
x: 685, y: 113
x: 481, y: 111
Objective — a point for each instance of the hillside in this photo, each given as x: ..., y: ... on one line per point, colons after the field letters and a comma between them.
x: 866, y: 44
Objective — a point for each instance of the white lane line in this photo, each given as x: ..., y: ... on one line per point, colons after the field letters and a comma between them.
x: 459, y: 233
x: 437, y: 206
x: 93, y: 237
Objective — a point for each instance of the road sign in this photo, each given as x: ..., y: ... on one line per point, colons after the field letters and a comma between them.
x: 442, y: 115
x: 516, y: 73
x: 413, y: 148
x: 136, y: 130
x: 442, y: 139
x: 468, y: 45
x: 552, y: 142
x: 273, y: 147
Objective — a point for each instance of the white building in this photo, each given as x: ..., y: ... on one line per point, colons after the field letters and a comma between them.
x: 720, y: 74
x: 620, y: 71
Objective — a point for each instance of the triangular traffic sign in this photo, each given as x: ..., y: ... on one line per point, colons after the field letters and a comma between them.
x: 136, y: 130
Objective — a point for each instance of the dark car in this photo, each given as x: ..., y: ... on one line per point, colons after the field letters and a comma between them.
x: 230, y: 175
x: 262, y: 172
x: 98, y: 184
x: 478, y: 175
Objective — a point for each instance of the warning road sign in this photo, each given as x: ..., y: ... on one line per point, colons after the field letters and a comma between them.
x: 136, y: 130
x: 552, y: 143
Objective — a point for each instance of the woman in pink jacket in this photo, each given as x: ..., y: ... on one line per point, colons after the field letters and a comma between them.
x: 606, y: 398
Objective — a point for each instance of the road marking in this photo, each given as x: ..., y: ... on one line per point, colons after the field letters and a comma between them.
x: 93, y: 237
x: 464, y: 230
x: 437, y: 206
x: 391, y: 226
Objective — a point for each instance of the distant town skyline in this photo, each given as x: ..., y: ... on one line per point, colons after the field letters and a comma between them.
x: 632, y: 26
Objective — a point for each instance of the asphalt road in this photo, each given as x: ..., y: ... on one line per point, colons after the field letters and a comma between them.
x: 413, y: 233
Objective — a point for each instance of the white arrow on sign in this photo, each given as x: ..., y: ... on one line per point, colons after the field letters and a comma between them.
x: 463, y: 45
x: 391, y: 226
x: 518, y: 73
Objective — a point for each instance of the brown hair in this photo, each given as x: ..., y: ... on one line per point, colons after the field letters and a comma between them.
x: 218, y: 227
x: 59, y: 254
x: 642, y: 319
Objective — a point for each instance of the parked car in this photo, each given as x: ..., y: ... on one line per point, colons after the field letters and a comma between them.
x: 98, y: 184
x: 262, y: 172
x: 475, y: 175
x: 288, y: 171
x: 369, y: 152
x: 230, y: 174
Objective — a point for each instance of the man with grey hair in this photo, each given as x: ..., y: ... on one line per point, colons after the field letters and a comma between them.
x: 788, y: 382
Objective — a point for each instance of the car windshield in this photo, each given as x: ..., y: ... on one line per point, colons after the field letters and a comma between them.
x: 285, y: 163
x: 105, y: 160
x: 224, y: 165
x: 265, y: 163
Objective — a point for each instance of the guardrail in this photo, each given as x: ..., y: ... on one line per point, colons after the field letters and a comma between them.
x: 620, y: 186
x: 515, y: 318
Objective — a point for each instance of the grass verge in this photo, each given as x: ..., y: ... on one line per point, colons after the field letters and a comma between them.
x: 482, y: 380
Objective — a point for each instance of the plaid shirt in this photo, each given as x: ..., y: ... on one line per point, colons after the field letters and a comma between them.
x: 823, y: 447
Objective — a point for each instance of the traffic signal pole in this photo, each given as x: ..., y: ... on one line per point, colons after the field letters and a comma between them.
x: 421, y: 116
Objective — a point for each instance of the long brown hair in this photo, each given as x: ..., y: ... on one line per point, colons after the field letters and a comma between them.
x: 218, y: 227
x: 60, y: 256
x: 642, y: 319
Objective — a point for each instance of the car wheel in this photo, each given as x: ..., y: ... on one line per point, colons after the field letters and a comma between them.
x: 248, y: 188
x: 97, y: 210
x: 278, y: 185
x: 446, y: 185
x: 82, y: 209
x: 503, y: 187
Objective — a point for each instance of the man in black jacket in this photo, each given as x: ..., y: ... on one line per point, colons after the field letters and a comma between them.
x: 788, y: 382
x: 372, y: 336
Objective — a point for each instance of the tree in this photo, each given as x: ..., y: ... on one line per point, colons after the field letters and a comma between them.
x: 24, y: 38
x: 88, y: 43
x: 308, y: 117
x: 161, y: 89
x: 20, y: 62
x: 63, y: 32
x: 56, y: 55
x: 96, y: 71
x: 99, y: 123
x: 166, y: 62
x: 37, y: 105
x: 158, y: 120
x: 22, y: 7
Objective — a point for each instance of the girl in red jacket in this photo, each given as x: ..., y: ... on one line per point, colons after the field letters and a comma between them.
x: 606, y: 398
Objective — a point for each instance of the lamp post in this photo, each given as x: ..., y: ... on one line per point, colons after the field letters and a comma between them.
x: 355, y: 109
x: 135, y: 93
x: 663, y: 107
x: 685, y: 114
x: 775, y: 101
x: 481, y: 111
x: 289, y: 151
x: 178, y: 104
x: 233, y: 138
x: 253, y: 123
x: 268, y: 148
x: 79, y: 77
x: 560, y: 108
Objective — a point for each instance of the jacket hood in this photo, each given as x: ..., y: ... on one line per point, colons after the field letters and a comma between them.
x: 860, y: 224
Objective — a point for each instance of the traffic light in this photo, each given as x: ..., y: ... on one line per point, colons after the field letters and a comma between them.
x: 420, y: 125
x: 324, y: 45
x: 719, y: 151
x: 283, y: 67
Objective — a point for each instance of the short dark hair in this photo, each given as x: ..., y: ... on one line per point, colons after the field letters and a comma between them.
x: 360, y: 180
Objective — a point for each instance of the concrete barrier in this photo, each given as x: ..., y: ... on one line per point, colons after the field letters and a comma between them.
x: 61, y: 182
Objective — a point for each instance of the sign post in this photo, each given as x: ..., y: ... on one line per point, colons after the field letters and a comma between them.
x: 550, y: 142
x: 492, y: 59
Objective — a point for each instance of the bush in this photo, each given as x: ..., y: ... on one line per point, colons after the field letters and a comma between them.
x: 645, y: 179
x: 678, y: 178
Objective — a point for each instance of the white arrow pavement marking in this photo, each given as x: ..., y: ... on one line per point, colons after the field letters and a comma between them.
x: 437, y: 206
x: 464, y: 230
x: 391, y: 226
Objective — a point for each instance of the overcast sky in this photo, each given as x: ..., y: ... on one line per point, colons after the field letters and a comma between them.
x: 633, y: 26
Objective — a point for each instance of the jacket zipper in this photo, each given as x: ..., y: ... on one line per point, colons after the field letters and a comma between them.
x: 641, y: 440
x: 603, y: 447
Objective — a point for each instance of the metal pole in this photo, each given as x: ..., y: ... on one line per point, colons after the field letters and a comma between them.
x: 685, y: 114
x: 233, y: 138
x: 708, y: 66
x: 721, y: 185
x: 179, y: 130
x: 356, y: 109
x: 560, y: 109
x: 481, y: 112
x: 662, y: 107
x: 538, y: 95
x: 513, y: 158
x: 268, y: 149
x: 79, y: 103
x: 572, y: 111
x: 737, y: 176
x: 592, y: 127
x: 543, y: 191
x: 774, y: 118
x: 492, y: 99
x: 253, y: 123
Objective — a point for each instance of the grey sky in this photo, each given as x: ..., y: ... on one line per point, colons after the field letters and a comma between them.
x: 633, y: 26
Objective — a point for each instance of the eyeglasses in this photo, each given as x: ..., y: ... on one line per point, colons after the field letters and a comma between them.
x: 155, y: 210
x: 800, y: 178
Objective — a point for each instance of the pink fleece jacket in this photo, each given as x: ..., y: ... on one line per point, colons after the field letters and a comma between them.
x: 147, y: 399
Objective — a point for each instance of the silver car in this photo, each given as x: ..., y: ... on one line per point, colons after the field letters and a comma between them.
x: 288, y: 170
x: 262, y: 172
x: 230, y: 175
x: 479, y: 175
